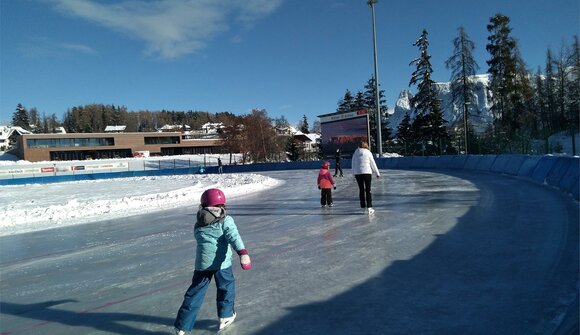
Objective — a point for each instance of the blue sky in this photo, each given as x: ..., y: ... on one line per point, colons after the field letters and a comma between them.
x: 290, y: 57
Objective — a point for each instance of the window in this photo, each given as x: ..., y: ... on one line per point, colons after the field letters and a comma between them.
x: 162, y: 140
x: 70, y: 142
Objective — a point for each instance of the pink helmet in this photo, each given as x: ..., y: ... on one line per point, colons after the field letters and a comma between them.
x: 326, y: 165
x: 213, y: 197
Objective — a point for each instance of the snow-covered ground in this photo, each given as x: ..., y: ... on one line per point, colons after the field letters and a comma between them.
x: 25, y: 208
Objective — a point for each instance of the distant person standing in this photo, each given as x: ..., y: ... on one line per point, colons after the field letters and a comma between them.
x: 363, y: 166
x: 220, y: 166
x: 337, y: 166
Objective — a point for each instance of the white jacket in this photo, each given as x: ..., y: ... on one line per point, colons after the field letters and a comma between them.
x: 364, y: 163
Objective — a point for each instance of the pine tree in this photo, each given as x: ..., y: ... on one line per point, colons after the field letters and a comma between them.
x: 405, y: 134
x: 20, y: 118
x: 541, y: 119
x: 522, y: 100
x: 430, y: 125
x: 550, y: 92
x: 304, y: 125
x: 359, y: 101
x: 502, y: 69
x: 292, y: 149
x: 463, y: 66
x: 345, y: 105
x: 370, y: 104
x: 574, y: 89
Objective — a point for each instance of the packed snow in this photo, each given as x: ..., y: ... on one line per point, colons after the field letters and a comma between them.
x: 25, y: 208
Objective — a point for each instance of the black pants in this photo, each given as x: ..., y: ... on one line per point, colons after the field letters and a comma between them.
x: 326, y: 196
x: 337, y: 168
x: 364, y: 189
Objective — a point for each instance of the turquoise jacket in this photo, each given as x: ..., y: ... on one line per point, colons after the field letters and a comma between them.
x: 215, y: 232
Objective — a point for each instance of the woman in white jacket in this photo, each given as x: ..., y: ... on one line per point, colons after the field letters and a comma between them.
x: 363, y: 166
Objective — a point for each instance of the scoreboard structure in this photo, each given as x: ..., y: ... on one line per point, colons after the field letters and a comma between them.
x: 343, y: 131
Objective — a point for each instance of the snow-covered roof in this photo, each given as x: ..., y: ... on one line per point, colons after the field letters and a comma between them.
x: 6, y: 132
x: 174, y: 127
x: 210, y: 125
x: 114, y: 128
x: 312, y: 137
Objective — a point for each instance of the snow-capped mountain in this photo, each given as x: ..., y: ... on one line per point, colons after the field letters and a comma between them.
x: 479, y: 115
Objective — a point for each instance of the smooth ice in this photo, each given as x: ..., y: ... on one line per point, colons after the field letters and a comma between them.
x: 445, y: 253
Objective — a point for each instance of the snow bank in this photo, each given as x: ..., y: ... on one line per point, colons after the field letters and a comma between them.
x: 25, y: 208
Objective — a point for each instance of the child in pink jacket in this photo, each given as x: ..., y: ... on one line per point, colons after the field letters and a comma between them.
x: 325, y: 185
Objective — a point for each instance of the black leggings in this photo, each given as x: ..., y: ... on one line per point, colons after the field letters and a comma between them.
x: 326, y: 197
x: 364, y: 189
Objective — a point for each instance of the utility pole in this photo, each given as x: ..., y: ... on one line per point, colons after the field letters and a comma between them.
x: 377, y: 95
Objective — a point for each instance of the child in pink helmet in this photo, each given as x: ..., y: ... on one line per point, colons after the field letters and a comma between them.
x: 325, y: 185
x: 215, y: 232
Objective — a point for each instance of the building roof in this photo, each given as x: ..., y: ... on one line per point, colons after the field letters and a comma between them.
x: 6, y: 132
x: 114, y: 128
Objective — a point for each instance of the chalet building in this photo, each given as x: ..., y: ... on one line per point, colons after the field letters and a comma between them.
x: 9, y: 136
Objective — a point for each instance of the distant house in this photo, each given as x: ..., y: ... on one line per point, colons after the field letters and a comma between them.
x: 59, y: 130
x: 174, y: 128
x: 115, y: 129
x: 308, y: 142
x: 212, y: 128
x: 288, y: 130
x: 9, y: 137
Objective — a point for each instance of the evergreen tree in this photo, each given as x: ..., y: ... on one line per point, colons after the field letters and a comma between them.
x: 370, y: 104
x: 541, y: 119
x: 522, y: 101
x: 20, y: 118
x: 345, y: 105
x: 502, y: 69
x: 304, y: 125
x: 549, y: 92
x: 292, y: 149
x: 463, y: 66
x: 359, y: 101
x: 405, y: 134
x: 429, y: 125
x: 574, y: 92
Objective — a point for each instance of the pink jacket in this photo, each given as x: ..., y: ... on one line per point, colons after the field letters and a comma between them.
x: 325, y: 179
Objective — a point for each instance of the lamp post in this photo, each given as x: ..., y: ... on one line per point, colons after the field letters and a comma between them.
x: 465, y: 103
x: 377, y: 95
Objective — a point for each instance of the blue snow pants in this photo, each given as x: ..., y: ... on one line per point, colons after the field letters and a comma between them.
x: 193, y: 299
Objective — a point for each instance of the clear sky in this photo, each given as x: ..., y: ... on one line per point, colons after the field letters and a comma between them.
x: 290, y: 57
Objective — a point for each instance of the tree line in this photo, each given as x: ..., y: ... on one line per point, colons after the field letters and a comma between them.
x: 525, y: 105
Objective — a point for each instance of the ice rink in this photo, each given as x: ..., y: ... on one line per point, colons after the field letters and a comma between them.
x: 455, y: 252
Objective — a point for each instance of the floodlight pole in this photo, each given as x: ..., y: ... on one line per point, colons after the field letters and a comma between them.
x: 377, y: 94
x: 465, y: 124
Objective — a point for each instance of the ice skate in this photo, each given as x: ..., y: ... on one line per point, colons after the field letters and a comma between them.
x: 179, y: 332
x: 370, y: 211
x: 226, y: 322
